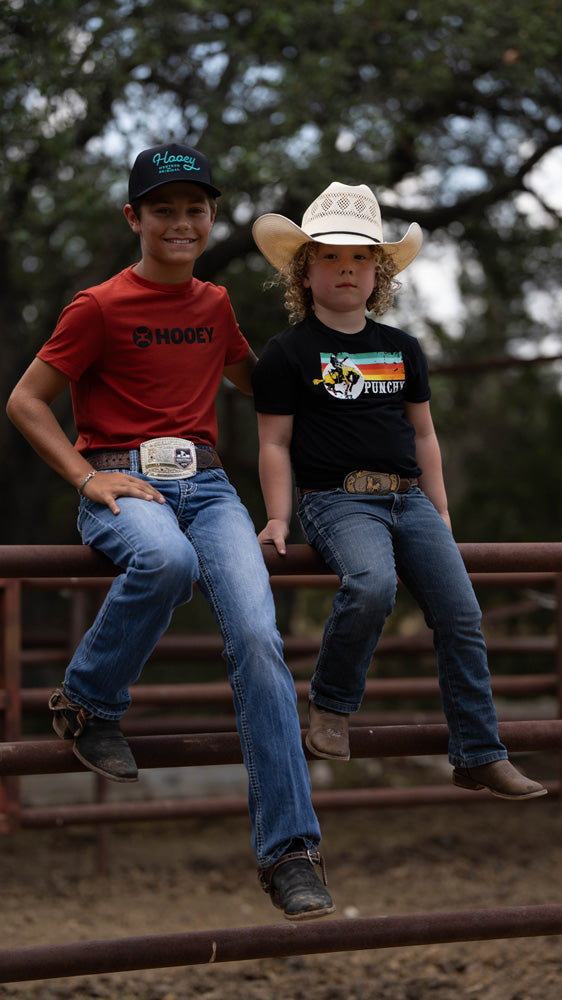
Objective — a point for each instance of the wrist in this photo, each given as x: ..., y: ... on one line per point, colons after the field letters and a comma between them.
x: 81, y: 486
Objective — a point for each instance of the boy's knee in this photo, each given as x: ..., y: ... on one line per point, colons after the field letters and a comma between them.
x: 371, y: 591
x: 173, y: 569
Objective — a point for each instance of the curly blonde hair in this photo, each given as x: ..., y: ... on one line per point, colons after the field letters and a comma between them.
x: 298, y: 299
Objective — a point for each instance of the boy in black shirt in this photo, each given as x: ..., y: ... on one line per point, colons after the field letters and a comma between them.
x: 345, y: 400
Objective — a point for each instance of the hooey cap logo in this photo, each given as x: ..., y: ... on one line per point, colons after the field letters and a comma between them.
x: 171, y: 162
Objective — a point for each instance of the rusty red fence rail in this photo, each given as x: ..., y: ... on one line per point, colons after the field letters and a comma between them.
x: 80, y: 560
x: 270, y: 941
x: 56, y: 757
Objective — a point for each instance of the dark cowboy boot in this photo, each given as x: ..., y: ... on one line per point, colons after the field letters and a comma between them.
x: 98, y: 743
x: 295, y: 888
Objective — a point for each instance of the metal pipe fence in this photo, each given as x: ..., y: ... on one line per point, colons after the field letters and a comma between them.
x: 19, y: 757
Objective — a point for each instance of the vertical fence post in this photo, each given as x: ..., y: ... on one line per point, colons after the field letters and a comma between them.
x: 558, y: 624
x: 10, y: 695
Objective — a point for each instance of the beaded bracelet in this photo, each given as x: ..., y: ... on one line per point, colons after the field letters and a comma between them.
x: 87, y: 480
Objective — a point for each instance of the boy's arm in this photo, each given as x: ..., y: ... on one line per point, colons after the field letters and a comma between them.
x: 428, y: 456
x: 240, y: 374
x: 29, y: 408
x: 275, y: 433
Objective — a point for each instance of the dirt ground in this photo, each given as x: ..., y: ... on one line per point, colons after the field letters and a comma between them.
x: 186, y: 875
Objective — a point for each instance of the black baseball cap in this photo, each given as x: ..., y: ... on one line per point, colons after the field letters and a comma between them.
x: 170, y: 162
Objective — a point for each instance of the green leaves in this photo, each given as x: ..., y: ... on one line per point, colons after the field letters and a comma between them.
x: 449, y: 111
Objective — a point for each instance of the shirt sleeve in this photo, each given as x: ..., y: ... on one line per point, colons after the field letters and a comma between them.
x: 78, y: 338
x: 417, y: 376
x: 274, y: 382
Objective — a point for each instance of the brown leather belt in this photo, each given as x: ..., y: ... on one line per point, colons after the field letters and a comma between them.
x: 99, y: 460
x: 370, y: 483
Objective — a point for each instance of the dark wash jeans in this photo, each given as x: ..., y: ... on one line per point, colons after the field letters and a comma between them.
x: 368, y: 541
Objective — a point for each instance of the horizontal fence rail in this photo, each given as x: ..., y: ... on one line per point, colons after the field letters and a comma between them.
x: 220, y: 692
x: 56, y: 757
x: 276, y: 940
x: 81, y: 560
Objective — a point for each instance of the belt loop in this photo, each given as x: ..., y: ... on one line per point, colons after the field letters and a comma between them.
x: 134, y: 460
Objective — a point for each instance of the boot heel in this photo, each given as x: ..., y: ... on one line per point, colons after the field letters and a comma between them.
x: 465, y: 781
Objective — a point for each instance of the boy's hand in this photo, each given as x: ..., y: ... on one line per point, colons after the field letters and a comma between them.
x: 275, y: 533
x: 105, y: 488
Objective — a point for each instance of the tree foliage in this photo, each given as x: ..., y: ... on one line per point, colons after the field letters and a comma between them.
x: 451, y: 112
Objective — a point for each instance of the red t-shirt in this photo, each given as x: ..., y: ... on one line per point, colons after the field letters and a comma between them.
x: 145, y: 360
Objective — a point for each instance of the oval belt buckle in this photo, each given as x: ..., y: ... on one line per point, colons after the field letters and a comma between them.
x: 366, y: 482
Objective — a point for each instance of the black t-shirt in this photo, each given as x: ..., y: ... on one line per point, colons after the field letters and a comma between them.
x: 347, y: 394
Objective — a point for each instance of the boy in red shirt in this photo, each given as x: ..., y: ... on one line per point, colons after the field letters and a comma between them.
x: 144, y: 354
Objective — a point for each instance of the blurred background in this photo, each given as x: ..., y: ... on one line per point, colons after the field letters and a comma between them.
x: 450, y: 111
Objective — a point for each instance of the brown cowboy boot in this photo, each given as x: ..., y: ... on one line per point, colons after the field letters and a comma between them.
x: 328, y: 734
x: 501, y: 778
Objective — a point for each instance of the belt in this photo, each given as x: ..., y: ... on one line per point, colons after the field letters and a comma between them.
x: 99, y: 460
x: 372, y: 483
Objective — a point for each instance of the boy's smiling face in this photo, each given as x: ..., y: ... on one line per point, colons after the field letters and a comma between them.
x: 174, y: 224
x: 341, y: 279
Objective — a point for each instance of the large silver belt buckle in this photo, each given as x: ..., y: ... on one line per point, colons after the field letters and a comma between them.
x: 168, y: 458
x: 371, y: 482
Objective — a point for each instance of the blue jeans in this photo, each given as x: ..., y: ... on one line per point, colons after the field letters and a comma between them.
x: 368, y: 541
x: 202, y: 533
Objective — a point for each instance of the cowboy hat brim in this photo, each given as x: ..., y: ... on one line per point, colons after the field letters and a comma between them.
x: 278, y: 239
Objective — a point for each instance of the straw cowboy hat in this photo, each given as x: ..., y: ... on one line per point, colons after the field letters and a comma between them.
x: 340, y: 215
